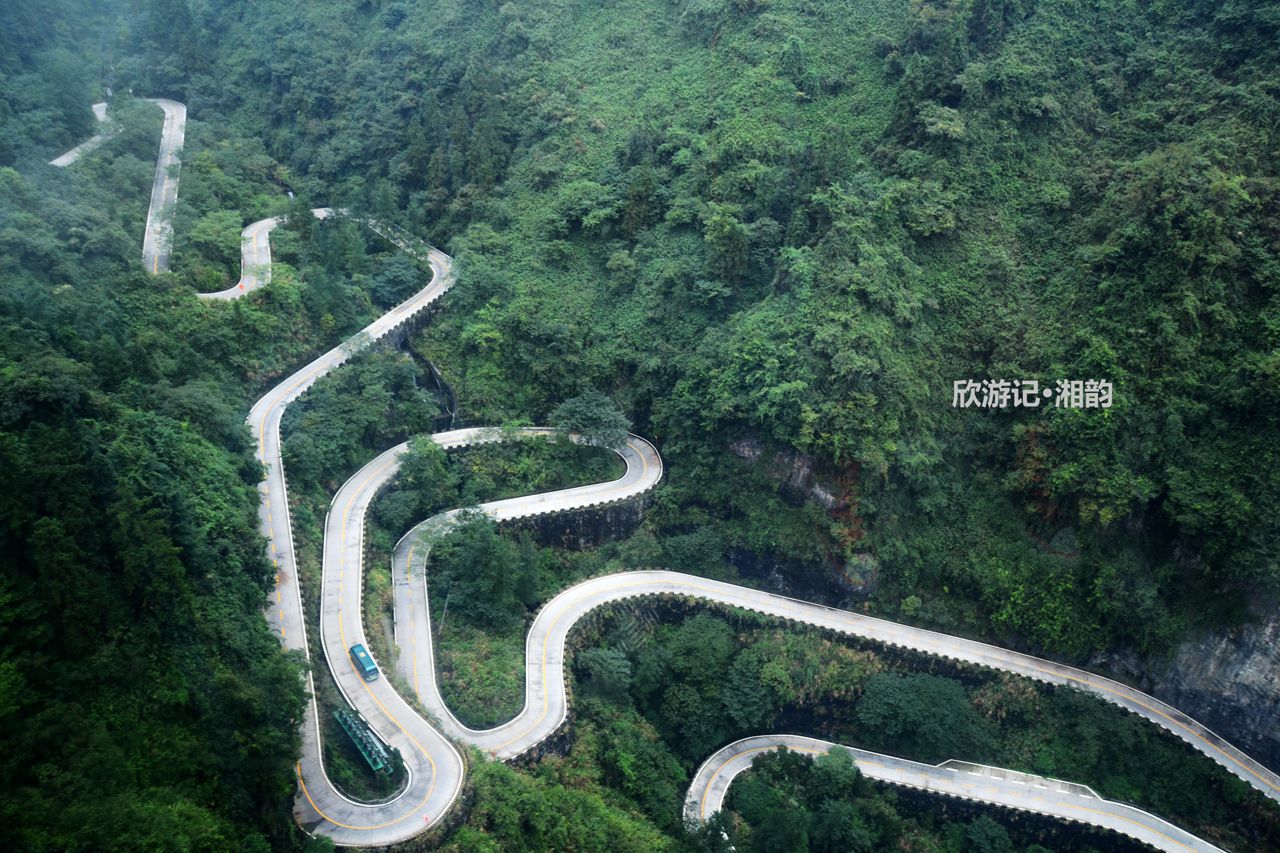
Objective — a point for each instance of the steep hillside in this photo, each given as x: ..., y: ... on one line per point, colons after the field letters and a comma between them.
x: 777, y: 232
x: 801, y: 223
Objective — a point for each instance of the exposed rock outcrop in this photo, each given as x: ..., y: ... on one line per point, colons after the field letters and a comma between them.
x: 796, y: 471
x: 1229, y: 680
x: 802, y: 480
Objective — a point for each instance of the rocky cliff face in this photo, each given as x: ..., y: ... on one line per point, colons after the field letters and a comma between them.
x: 794, y: 470
x: 1228, y: 680
x: 801, y: 479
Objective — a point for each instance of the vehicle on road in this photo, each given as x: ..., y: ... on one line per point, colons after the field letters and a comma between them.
x: 364, y: 662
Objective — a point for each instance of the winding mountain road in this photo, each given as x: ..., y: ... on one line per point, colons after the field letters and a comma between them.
x: 255, y: 256
x: 433, y: 763
x: 255, y: 259
x: 546, y: 705
x: 1008, y: 788
x: 435, y: 767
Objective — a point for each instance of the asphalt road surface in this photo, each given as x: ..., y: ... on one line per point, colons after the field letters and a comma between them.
x: 978, y: 782
x: 545, y: 706
x: 545, y: 680
x: 157, y: 240
x: 255, y: 260
x: 435, y: 766
x: 255, y: 256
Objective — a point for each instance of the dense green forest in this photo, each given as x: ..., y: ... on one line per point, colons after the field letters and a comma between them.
x: 48, y: 74
x: 143, y: 702
x: 779, y: 223
x: 802, y: 222
x: 659, y: 688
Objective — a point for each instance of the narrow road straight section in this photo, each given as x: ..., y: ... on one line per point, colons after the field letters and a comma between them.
x: 157, y: 240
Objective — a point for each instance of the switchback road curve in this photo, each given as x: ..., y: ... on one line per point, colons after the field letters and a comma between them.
x: 546, y: 705
x: 255, y: 256
x: 1008, y: 788
x: 434, y: 765
x: 157, y: 238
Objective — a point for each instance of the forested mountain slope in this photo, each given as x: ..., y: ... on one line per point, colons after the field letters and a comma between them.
x: 143, y: 702
x: 803, y: 221
x: 48, y: 68
x: 784, y: 225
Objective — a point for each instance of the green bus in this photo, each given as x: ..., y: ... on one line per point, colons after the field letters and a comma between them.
x: 364, y: 662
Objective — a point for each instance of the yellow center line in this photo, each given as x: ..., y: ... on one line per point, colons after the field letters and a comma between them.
x: 373, y: 477
x: 430, y: 292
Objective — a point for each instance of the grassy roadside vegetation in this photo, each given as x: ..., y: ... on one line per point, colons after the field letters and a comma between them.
x: 480, y: 653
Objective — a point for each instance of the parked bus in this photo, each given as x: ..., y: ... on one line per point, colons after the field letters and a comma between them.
x: 364, y: 663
